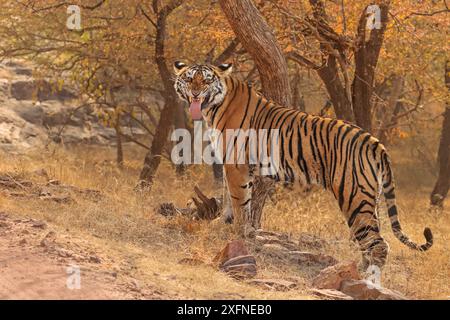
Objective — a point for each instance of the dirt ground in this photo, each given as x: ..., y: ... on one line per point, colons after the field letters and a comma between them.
x: 39, y: 263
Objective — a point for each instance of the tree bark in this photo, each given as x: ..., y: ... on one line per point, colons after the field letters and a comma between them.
x: 367, y: 53
x: 153, y: 157
x: 258, y: 40
x: 442, y: 185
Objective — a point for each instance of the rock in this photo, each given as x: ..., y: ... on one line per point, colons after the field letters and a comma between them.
x: 331, y: 294
x: 135, y: 285
x: 31, y: 113
x: 310, y: 241
x: 248, y: 259
x: 262, y: 240
x: 39, y: 224
x: 241, y: 271
x: 22, y: 90
x: 23, y: 71
x: 23, y: 242
x: 308, y: 258
x: 94, y: 259
x: 63, y: 253
x: 4, y: 89
x: 53, y: 183
x: 41, y: 172
x: 264, y: 233
x: 233, y: 249
x: 48, y: 240
x: 40, y: 90
x: 275, y: 284
x: 235, y: 260
x: 367, y: 290
x: 332, y: 277
x: 275, y: 249
x: 4, y: 225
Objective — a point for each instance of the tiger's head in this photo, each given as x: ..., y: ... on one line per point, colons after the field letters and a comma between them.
x: 202, y: 86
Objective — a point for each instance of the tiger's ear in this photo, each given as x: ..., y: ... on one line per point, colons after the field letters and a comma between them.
x: 225, y: 68
x: 178, y: 67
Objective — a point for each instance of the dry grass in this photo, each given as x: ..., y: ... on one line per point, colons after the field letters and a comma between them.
x: 126, y: 225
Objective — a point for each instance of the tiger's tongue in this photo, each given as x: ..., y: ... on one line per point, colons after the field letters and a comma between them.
x: 196, y: 110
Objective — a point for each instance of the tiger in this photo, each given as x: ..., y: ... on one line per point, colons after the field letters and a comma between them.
x: 313, y: 150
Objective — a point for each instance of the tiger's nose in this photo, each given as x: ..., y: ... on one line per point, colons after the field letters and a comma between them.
x: 195, y: 93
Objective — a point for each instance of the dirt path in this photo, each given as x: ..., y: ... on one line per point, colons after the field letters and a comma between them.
x: 35, y: 263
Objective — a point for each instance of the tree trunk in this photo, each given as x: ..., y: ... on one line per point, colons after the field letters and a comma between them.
x: 442, y: 186
x: 258, y: 40
x: 180, y: 123
x: 367, y: 53
x: 329, y: 74
x: 119, y: 147
x: 390, y: 111
x: 153, y: 157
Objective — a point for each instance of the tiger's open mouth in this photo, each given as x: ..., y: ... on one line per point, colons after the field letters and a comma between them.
x: 195, y: 108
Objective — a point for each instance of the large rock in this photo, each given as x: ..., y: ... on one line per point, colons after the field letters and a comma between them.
x: 235, y: 260
x: 232, y: 249
x: 18, y: 134
x: 332, y: 277
x: 40, y: 90
x: 367, y: 290
x: 4, y: 90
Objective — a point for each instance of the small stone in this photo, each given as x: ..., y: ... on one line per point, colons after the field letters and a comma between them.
x: 331, y: 294
x: 49, y: 239
x: 275, y: 249
x: 39, y: 224
x: 331, y: 277
x: 63, y: 253
x: 367, y: 290
x: 290, y: 245
x: 53, y: 182
x: 23, y: 242
x: 94, y: 259
x: 272, y: 234
x: 275, y: 284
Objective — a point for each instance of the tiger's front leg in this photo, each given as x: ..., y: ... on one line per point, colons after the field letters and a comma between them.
x: 240, y: 184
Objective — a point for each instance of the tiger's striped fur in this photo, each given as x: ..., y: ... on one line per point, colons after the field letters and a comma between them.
x: 341, y: 157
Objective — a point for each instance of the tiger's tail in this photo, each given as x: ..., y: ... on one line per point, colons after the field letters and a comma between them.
x: 389, y: 195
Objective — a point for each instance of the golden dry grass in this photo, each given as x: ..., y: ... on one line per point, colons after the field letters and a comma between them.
x: 127, y: 227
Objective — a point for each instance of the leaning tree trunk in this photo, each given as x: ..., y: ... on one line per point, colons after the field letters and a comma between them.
x: 366, y: 57
x: 442, y: 186
x: 153, y: 157
x: 258, y: 40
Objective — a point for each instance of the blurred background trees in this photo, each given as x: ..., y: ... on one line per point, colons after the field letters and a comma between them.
x: 387, y: 79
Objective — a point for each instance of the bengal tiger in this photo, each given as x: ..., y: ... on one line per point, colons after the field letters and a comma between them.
x: 335, y: 154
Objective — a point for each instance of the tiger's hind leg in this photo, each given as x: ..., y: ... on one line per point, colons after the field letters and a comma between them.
x: 240, y: 184
x: 365, y: 228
